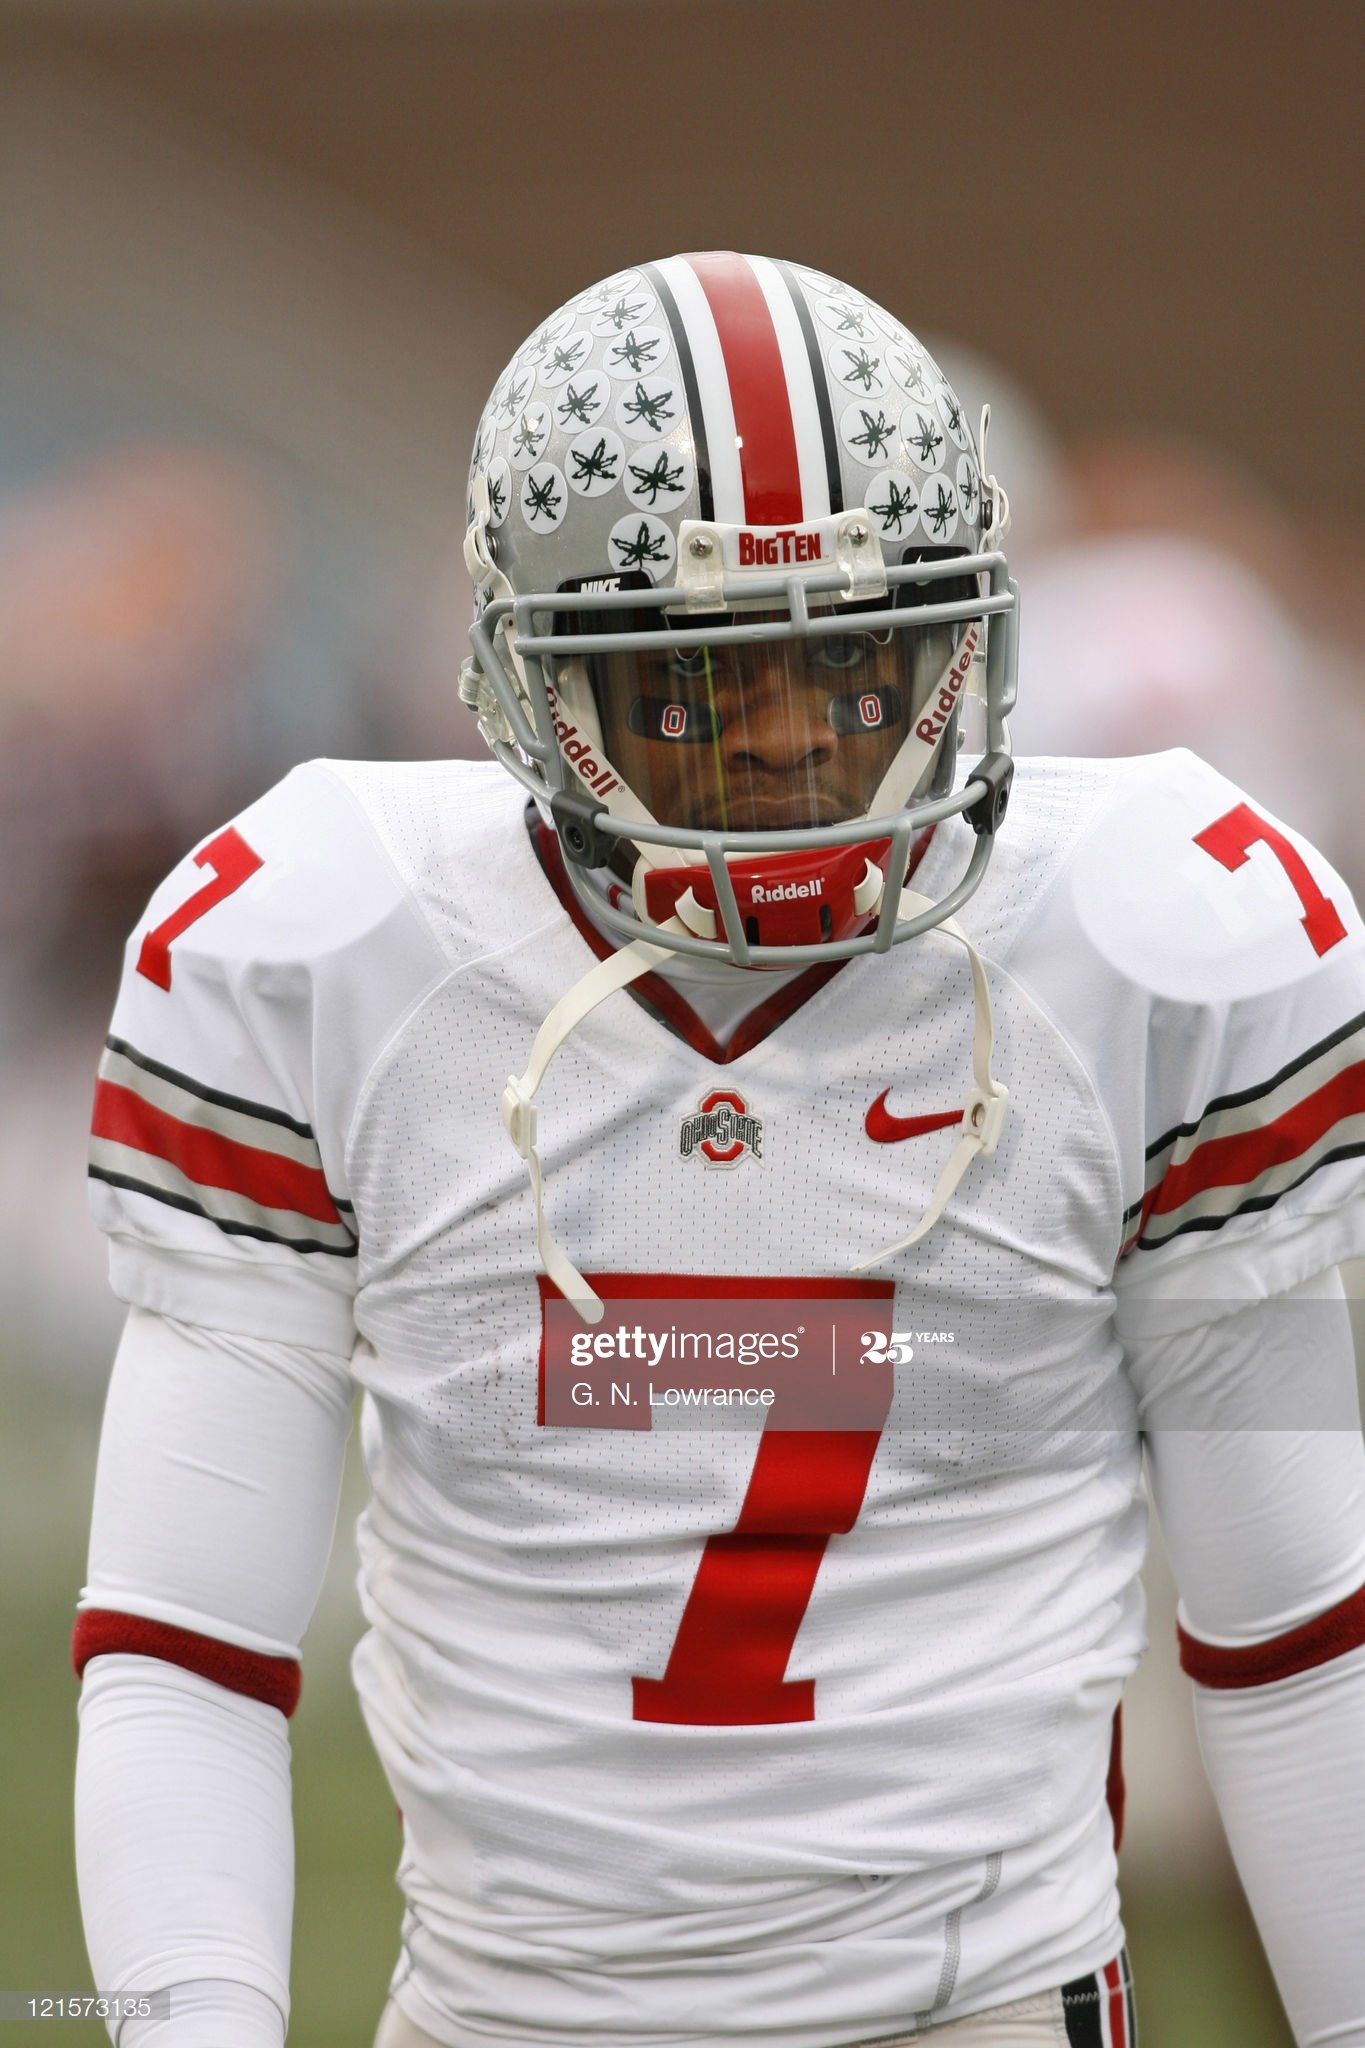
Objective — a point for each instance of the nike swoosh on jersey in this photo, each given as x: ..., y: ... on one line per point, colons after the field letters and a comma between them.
x: 885, y: 1129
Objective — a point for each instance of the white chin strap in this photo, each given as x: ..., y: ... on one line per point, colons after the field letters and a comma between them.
x: 983, y: 1113
x: 519, y: 1114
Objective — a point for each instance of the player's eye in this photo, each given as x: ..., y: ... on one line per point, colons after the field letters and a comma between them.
x: 681, y: 671
x: 690, y: 664
x: 846, y: 652
x: 860, y: 711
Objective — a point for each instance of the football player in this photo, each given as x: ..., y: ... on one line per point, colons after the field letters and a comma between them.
x: 754, y: 1398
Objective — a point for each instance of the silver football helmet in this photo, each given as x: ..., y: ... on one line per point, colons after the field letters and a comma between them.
x: 736, y: 562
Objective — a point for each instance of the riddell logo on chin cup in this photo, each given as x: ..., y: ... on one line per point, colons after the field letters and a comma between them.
x: 787, y: 892
x: 785, y: 899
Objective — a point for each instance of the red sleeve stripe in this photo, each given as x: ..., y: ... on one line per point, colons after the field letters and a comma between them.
x: 249, y: 1168
x: 1248, y: 1109
x: 236, y: 1186
x: 1238, y: 1160
x: 1315, y: 1642
x: 1248, y: 1149
x: 99, y: 1632
x: 1213, y: 1208
x: 209, y: 1159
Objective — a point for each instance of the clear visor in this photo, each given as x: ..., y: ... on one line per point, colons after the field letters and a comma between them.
x: 767, y: 735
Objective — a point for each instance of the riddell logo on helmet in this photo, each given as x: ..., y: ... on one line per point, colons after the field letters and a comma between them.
x: 787, y: 892
x: 786, y: 545
x: 931, y: 725
x: 578, y: 752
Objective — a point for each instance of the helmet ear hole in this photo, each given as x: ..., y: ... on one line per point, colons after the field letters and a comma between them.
x: 575, y: 820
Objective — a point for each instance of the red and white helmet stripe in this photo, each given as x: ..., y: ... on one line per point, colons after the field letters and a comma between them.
x: 742, y: 325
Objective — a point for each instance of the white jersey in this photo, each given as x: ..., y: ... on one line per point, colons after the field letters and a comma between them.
x: 700, y: 1725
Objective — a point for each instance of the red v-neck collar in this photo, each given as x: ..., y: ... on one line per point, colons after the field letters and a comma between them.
x: 662, y: 997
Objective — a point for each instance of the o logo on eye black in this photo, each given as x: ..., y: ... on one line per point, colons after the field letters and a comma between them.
x: 673, y: 723
x: 870, y: 709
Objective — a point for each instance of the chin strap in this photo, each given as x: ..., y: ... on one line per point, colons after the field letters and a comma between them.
x: 983, y: 1113
x: 519, y: 1115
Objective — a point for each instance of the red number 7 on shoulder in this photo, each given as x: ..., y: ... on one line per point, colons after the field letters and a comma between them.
x: 1230, y: 839
x: 233, y: 862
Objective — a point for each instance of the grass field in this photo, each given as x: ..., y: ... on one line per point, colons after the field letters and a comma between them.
x: 1201, y: 1979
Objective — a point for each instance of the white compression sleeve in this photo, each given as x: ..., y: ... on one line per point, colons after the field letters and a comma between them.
x: 213, y: 2014
x: 219, y: 1470
x: 185, y: 1854
x: 216, y: 1491
x: 1287, y: 1765
x: 1266, y: 1529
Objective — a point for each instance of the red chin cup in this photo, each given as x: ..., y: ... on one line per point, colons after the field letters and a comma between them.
x: 785, y: 899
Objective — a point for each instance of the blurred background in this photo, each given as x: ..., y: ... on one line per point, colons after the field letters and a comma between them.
x: 260, y: 260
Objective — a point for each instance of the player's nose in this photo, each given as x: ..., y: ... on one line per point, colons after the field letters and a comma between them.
x: 784, y: 721
x: 782, y: 727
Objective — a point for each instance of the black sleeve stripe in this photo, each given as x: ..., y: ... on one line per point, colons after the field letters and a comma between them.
x: 1246, y: 1208
x: 232, y: 1229
x: 1242, y: 1096
x: 241, y: 1103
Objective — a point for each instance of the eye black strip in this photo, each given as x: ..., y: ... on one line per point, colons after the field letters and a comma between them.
x: 845, y: 710
x: 692, y: 391
x: 819, y: 379
x: 648, y: 718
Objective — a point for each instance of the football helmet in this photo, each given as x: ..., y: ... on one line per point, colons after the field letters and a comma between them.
x: 736, y: 563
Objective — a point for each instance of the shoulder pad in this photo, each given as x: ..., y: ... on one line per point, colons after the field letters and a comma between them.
x: 1195, y: 893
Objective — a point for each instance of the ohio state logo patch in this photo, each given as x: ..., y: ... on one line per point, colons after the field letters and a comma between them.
x: 721, y: 1131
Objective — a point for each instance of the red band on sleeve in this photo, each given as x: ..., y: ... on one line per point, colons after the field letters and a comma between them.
x: 99, y: 1632
x: 1328, y: 1635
